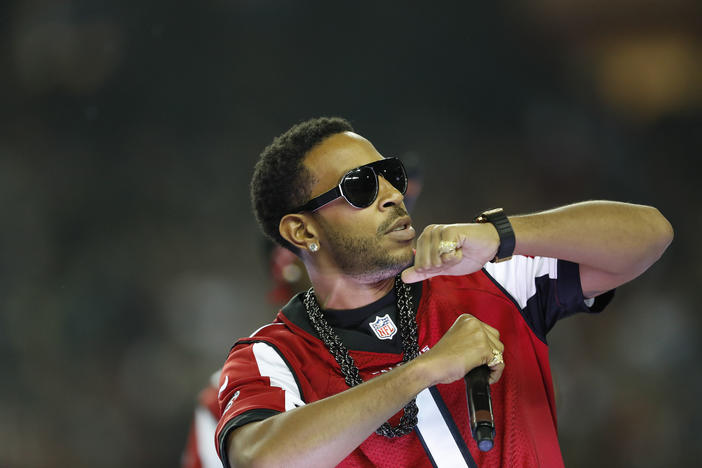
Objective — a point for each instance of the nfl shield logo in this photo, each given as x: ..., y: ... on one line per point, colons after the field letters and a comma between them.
x: 383, y: 327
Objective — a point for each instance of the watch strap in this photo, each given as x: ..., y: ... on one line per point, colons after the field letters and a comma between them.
x: 497, y: 218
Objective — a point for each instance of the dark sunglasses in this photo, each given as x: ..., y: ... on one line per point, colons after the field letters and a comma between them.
x: 359, y: 186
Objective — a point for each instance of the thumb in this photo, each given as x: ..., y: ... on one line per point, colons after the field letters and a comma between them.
x: 410, y: 275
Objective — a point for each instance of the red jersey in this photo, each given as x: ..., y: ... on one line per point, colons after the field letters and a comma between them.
x: 284, y: 365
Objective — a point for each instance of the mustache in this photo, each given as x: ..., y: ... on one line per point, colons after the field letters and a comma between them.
x: 397, y: 212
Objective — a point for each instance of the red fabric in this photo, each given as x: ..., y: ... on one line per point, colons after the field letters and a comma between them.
x: 523, y: 402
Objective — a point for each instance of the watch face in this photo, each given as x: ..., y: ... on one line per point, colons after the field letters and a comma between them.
x: 485, y: 216
x: 498, y: 260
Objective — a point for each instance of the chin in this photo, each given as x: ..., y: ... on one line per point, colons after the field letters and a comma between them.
x: 407, y: 255
x: 400, y: 262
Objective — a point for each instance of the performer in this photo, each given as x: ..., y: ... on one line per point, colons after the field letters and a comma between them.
x: 288, y: 276
x: 366, y: 368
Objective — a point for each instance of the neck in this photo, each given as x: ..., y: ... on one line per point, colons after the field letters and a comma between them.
x: 338, y: 291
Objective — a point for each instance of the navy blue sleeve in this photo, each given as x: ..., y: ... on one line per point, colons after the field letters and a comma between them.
x: 561, y: 297
x: 545, y: 290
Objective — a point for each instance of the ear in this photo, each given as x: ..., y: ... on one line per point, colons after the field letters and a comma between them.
x: 298, y: 229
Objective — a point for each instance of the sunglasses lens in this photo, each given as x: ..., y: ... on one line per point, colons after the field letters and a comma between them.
x: 360, y: 186
x: 394, y: 172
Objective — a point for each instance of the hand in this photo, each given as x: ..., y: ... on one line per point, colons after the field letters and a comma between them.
x: 469, y: 343
x: 476, y: 244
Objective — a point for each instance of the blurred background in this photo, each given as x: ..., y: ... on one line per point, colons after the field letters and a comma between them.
x: 130, y: 260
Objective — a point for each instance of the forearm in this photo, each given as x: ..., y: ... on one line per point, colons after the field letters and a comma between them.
x: 324, y: 432
x: 613, y: 242
x: 608, y: 235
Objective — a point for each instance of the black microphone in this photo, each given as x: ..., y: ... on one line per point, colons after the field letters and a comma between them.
x: 482, y: 424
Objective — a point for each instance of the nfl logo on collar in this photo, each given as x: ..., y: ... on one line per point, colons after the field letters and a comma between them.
x: 383, y: 327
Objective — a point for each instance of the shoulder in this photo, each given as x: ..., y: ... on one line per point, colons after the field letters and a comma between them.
x: 288, y: 324
x: 282, y: 341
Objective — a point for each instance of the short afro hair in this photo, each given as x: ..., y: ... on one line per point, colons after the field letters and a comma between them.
x: 280, y: 181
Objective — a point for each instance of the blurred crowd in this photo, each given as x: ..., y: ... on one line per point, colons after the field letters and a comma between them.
x: 129, y: 257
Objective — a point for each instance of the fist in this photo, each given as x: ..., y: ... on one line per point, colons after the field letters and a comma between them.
x: 475, y: 245
x: 469, y: 343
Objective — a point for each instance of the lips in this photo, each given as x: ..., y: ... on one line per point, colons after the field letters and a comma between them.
x: 401, y: 224
x: 401, y: 230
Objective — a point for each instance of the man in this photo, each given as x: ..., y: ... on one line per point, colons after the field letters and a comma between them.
x: 288, y: 276
x: 365, y: 369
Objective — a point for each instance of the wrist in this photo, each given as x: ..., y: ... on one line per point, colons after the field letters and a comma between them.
x: 505, y: 233
x: 420, y: 373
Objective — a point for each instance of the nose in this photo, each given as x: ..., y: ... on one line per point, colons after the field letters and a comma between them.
x: 388, y: 195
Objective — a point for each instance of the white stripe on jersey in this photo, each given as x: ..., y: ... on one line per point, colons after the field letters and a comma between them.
x: 205, y: 425
x: 261, y: 328
x: 509, y: 273
x: 223, y: 387
x: 271, y: 365
x: 436, y: 434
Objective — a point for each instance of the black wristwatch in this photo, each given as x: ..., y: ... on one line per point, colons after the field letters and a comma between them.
x: 498, y: 219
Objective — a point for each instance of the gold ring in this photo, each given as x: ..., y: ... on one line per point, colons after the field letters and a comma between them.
x: 446, y: 247
x: 497, y: 358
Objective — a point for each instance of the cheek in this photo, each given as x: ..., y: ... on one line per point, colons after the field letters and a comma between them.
x: 351, y: 223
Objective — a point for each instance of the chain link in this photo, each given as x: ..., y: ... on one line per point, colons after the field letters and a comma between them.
x: 410, y: 350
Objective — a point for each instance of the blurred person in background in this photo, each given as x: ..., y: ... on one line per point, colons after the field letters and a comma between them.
x: 288, y: 276
x: 334, y: 381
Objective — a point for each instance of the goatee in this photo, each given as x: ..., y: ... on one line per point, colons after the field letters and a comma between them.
x: 364, y: 257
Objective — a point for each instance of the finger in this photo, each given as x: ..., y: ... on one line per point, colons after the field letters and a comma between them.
x: 495, y: 342
x: 495, y: 345
x: 494, y: 335
x: 496, y: 373
x: 421, y: 257
x: 411, y: 275
x: 452, y: 258
x: 490, y: 329
x: 424, y: 259
x: 435, y: 252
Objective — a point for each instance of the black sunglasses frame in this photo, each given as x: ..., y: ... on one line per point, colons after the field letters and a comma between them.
x: 377, y: 167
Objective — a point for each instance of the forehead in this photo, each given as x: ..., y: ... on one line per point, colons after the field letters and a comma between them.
x: 337, y: 155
